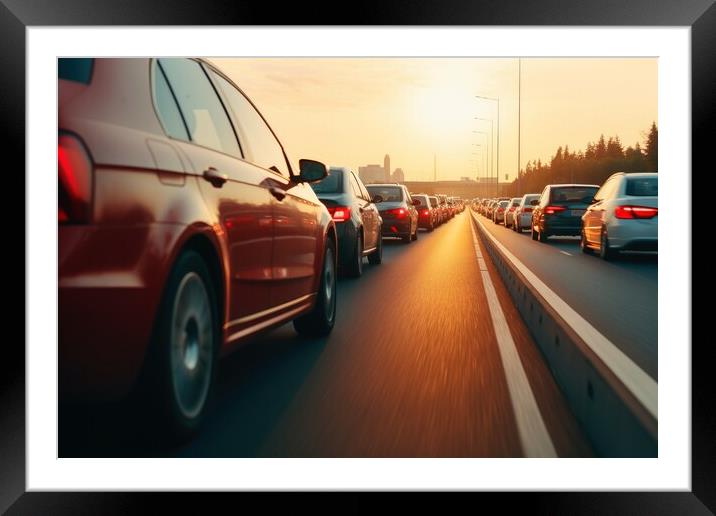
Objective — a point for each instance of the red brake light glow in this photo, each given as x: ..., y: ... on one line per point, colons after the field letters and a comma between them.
x: 398, y: 212
x: 424, y: 212
x: 635, y: 212
x: 551, y: 210
x: 340, y: 213
x: 74, y: 169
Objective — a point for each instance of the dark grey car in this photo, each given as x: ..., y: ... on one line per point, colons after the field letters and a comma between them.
x: 358, y: 222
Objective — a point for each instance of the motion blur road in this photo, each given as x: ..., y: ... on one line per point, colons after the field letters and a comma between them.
x: 619, y: 297
x: 415, y: 367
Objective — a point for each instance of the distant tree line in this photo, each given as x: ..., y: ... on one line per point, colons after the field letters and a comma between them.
x: 591, y: 166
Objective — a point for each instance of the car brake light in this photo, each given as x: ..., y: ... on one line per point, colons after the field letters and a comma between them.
x: 635, y: 212
x: 424, y: 213
x: 551, y: 210
x: 340, y: 213
x: 526, y: 210
x: 398, y: 212
x: 500, y: 210
x: 74, y: 168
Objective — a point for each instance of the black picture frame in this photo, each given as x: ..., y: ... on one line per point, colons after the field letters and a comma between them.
x: 17, y: 15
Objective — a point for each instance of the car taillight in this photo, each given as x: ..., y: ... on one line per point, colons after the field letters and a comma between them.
x: 340, y: 213
x: 526, y: 210
x: 635, y: 212
x: 74, y: 168
x: 424, y: 213
x: 551, y: 210
x: 500, y: 210
x: 512, y: 208
x: 398, y: 212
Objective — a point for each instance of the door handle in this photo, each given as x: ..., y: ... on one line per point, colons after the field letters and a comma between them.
x: 216, y: 178
x: 277, y: 193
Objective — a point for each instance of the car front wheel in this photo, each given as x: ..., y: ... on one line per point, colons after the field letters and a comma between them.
x: 320, y: 320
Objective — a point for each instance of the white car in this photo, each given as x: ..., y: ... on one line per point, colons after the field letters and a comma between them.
x: 509, y: 213
x: 623, y: 215
x: 523, y: 213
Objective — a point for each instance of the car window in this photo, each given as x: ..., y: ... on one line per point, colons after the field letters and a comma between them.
x: 75, y: 69
x: 433, y: 202
x: 420, y: 199
x: 332, y: 183
x: 388, y: 193
x: 642, y: 186
x: 607, y: 189
x: 201, y: 108
x: 406, y: 196
x: 571, y: 194
x: 364, y: 192
x: 263, y: 146
x: 167, y: 108
x: 354, y: 185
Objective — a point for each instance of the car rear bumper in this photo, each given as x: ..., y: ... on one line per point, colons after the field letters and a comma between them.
x: 634, y: 235
x: 109, y: 288
x: 396, y: 228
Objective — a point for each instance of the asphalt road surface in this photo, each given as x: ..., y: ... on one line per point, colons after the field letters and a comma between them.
x: 619, y: 297
x: 428, y: 358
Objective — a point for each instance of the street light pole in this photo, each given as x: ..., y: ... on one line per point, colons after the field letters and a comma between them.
x: 492, y: 143
x: 484, y: 134
x: 519, y: 124
x: 497, y: 176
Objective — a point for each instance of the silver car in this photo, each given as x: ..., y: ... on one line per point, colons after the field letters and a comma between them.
x: 523, y: 213
x: 623, y: 215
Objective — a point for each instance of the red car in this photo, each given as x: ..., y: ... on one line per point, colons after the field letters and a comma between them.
x: 183, y: 230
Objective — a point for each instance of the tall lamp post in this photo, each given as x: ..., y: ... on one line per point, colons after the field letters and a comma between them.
x: 492, y: 143
x: 497, y: 176
x: 486, y: 152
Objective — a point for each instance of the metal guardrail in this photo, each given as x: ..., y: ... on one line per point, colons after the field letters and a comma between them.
x: 612, y: 398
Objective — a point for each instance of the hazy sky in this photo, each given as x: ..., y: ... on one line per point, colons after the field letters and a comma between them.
x: 352, y: 111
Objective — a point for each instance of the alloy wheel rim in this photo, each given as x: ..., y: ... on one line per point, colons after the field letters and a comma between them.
x: 329, y: 285
x: 192, y: 339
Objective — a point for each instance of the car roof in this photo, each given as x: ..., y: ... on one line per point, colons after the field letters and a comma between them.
x: 571, y: 184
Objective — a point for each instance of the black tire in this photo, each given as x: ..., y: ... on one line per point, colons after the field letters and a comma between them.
x: 533, y: 233
x: 605, y: 252
x: 320, y: 320
x: 583, y: 243
x: 542, y: 236
x: 431, y: 227
x: 178, y: 380
x: 407, y: 238
x: 415, y: 236
x: 376, y: 257
x: 354, y: 267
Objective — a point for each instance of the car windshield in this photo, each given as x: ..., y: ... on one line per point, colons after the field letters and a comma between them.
x: 388, y: 193
x: 570, y: 194
x: 420, y: 199
x: 642, y: 186
x: 332, y: 183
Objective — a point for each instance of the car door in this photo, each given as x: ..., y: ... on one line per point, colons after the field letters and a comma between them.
x: 594, y: 216
x: 235, y: 191
x: 373, y: 214
x: 411, y: 209
x: 296, y: 211
x: 366, y: 214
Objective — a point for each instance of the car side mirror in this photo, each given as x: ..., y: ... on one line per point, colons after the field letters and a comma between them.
x: 311, y: 171
x: 376, y: 199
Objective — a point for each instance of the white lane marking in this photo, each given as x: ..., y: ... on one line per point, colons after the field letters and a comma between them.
x: 640, y: 384
x: 565, y: 252
x: 533, y: 433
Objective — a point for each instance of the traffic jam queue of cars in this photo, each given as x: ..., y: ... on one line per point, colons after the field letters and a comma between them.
x: 184, y: 229
x: 620, y: 216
